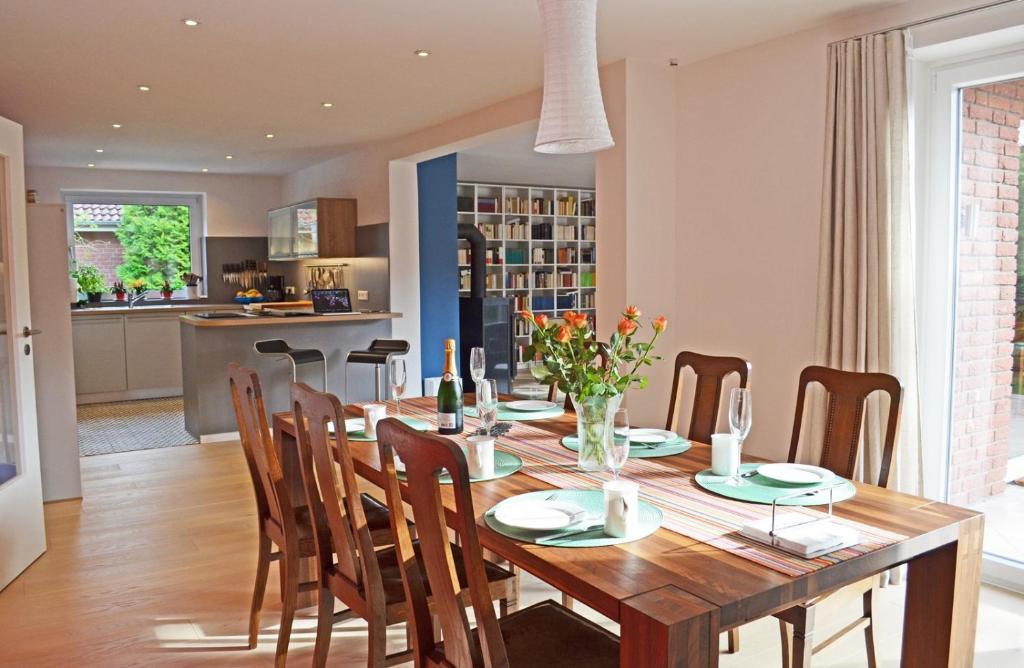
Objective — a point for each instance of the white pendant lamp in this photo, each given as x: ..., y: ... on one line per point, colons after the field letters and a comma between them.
x: 572, y: 118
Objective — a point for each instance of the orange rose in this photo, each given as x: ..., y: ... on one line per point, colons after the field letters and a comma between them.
x: 568, y: 317
x: 632, y: 312
x: 660, y: 324
x: 563, y: 335
x: 626, y: 327
x: 525, y: 314
x: 578, y: 320
x: 541, y: 321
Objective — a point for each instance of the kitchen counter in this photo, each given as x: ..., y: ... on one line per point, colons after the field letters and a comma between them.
x: 208, y: 346
x: 272, y: 321
x: 151, y: 309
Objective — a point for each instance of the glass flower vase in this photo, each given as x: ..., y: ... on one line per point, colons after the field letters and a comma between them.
x: 594, y: 425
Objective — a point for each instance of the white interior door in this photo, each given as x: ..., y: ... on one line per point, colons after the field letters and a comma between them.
x: 22, y: 534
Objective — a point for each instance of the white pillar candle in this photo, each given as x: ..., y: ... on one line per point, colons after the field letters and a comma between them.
x: 480, y: 456
x: 372, y: 414
x: 621, y: 507
x: 725, y: 454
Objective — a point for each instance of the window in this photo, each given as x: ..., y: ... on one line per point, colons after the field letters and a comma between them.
x: 132, y: 236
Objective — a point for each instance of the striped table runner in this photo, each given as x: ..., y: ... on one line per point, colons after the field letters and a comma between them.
x: 688, y: 509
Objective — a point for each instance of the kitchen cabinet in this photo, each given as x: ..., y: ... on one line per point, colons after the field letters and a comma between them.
x: 152, y: 352
x: 100, y: 364
x: 322, y: 227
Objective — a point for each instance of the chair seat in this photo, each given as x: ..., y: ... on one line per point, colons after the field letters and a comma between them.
x: 549, y: 635
x: 378, y: 520
x: 391, y: 573
x: 367, y: 357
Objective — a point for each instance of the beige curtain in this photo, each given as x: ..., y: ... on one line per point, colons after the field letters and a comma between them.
x: 866, y: 305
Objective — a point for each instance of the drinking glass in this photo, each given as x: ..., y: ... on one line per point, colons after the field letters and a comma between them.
x: 740, y: 419
x: 487, y: 403
x: 617, y: 447
x: 396, y: 373
x: 477, y: 369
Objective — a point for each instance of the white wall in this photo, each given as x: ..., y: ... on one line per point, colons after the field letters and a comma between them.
x: 750, y: 144
x: 236, y: 205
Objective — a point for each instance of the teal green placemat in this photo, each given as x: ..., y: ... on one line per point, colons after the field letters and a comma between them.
x: 592, y: 500
x: 640, y: 450
x: 505, y: 464
x: 508, y: 414
x: 766, y: 490
x: 415, y: 423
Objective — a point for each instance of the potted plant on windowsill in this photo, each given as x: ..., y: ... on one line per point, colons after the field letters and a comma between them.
x: 90, y: 281
x: 167, y: 291
x: 120, y: 292
x: 568, y: 352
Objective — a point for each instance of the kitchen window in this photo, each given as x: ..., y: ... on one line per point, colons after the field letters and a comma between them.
x: 130, y: 236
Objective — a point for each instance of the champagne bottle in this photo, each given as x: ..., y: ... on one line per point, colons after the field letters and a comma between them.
x: 449, y: 395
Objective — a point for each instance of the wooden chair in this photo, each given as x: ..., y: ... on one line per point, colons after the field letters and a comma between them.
x: 847, y: 392
x: 366, y: 580
x: 544, y: 635
x: 282, y: 520
x: 711, y: 371
x: 602, y: 361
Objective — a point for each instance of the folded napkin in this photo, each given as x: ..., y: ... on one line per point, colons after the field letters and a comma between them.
x: 795, y: 533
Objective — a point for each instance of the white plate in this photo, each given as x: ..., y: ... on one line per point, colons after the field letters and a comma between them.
x: 652, y: 435
x: 796, y: 474
x: 539, y: 515
x: 351, y: 424
x: 530, y: 405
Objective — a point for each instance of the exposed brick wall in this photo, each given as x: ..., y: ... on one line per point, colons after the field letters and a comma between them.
x: 986, y: 298
x: 101, y: 249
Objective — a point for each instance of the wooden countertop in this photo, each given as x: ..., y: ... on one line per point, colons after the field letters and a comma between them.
x: 151, y: 309
x: 267, y: 320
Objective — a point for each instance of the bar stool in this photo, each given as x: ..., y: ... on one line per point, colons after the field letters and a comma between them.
x: 279, y: 349
x: 378, y: 354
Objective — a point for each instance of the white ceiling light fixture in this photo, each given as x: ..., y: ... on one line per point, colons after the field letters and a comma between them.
x: 191, y: 23
x: 144, y: 88
x: 205, y: 170
x: 229, y: 157
x: 421, y: 53
x: 326, y: 105
x: 91, y: 164
x: 116, y: 126
x: 269, y: 135
x: 99, y: 150
x: 572, y: 118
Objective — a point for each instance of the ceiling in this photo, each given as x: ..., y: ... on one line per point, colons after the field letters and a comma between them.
x: 513, y: 160
x: 70, y: 68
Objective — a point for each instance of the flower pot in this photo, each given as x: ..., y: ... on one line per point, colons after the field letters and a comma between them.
x: 594, y: 426
x: 166, y: 294
x: 119, y: 296
x: 94, y: 297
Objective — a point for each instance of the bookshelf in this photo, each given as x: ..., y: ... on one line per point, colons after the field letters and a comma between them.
x: 541, y: 246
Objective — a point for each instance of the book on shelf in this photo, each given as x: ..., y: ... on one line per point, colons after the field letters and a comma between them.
x: 492, y: 231
x: 567, y: 206
x: 523, y: 327
x: 589, y: 233
x: 542, y: 256
x: 486, y: 204
x: 520, y: 302
x: 587, y: 207
x: 516, y: 205
x: 566, y: 256
x: 542, y: 207
x: 515, y: 255
x: 587, y: 300
x: 515, y: 230
x: 519, y: 280
x: 464, y: 204
x: 542, y: 231
x: 464, y: 279
x: 567, y: 232
x: 543, y: 303
x: 464, y: 256
x: 543, y: 280
x: 587, y: 256
x: 566, y: 301
x: 588, y: 279
x: 567, y: 278
x: 493, y: 281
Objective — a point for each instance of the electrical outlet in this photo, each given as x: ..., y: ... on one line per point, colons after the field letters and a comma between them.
x: 362, y: 295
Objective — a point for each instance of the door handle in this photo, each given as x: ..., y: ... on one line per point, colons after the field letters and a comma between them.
x: 27, y: 332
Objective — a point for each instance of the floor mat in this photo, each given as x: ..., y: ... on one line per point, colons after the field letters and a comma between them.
x: 132, y: 425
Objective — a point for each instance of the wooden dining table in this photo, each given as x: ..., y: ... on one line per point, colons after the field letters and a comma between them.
x: 672, y: 595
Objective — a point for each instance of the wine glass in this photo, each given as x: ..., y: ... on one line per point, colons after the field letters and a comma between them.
x: 617, y: 446
x: 487, y: 403
x: 396, y: 374
x: 477, y: 369
x: 740, y: 419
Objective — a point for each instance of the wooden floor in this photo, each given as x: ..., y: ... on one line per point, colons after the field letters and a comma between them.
x: 155, y: 567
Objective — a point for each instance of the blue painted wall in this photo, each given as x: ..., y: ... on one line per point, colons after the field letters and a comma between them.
x: 439, y: 287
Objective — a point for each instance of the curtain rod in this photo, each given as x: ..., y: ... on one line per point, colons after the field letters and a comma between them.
x: 933, y: 19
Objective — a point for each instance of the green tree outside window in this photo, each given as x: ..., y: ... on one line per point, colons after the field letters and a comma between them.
x: 156, y: 244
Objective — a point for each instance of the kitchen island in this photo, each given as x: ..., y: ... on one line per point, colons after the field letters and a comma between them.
x: 209, y: 345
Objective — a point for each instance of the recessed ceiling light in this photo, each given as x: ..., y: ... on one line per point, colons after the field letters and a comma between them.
x: 326, y: 105
x: 99, y: 150
x: 191, y: 23
x: 205, y: 169
x: 116, y: 126
x: 91, y: 164
x: 422, y: 53
x: 269, y: 135
x: 144, y: 88
x: 229, y: 157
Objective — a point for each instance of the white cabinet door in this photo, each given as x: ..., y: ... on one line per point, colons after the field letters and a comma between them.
x: 99, y: 354
x: 153, y: 351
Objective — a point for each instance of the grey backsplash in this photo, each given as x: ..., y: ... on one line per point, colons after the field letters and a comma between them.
x: 229, y: 250
x: 367, y: 272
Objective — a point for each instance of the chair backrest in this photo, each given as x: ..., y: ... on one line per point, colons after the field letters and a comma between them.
x: 707, y: 393
x: 602, y: 362
x: 272, y: 498
x: 844, y: 417
x: 332, y: 495
x: 424, y: 456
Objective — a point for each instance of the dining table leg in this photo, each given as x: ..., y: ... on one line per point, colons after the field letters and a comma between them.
x: 941, y: 608
x: 288, y: 454
x: 668, y: 627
